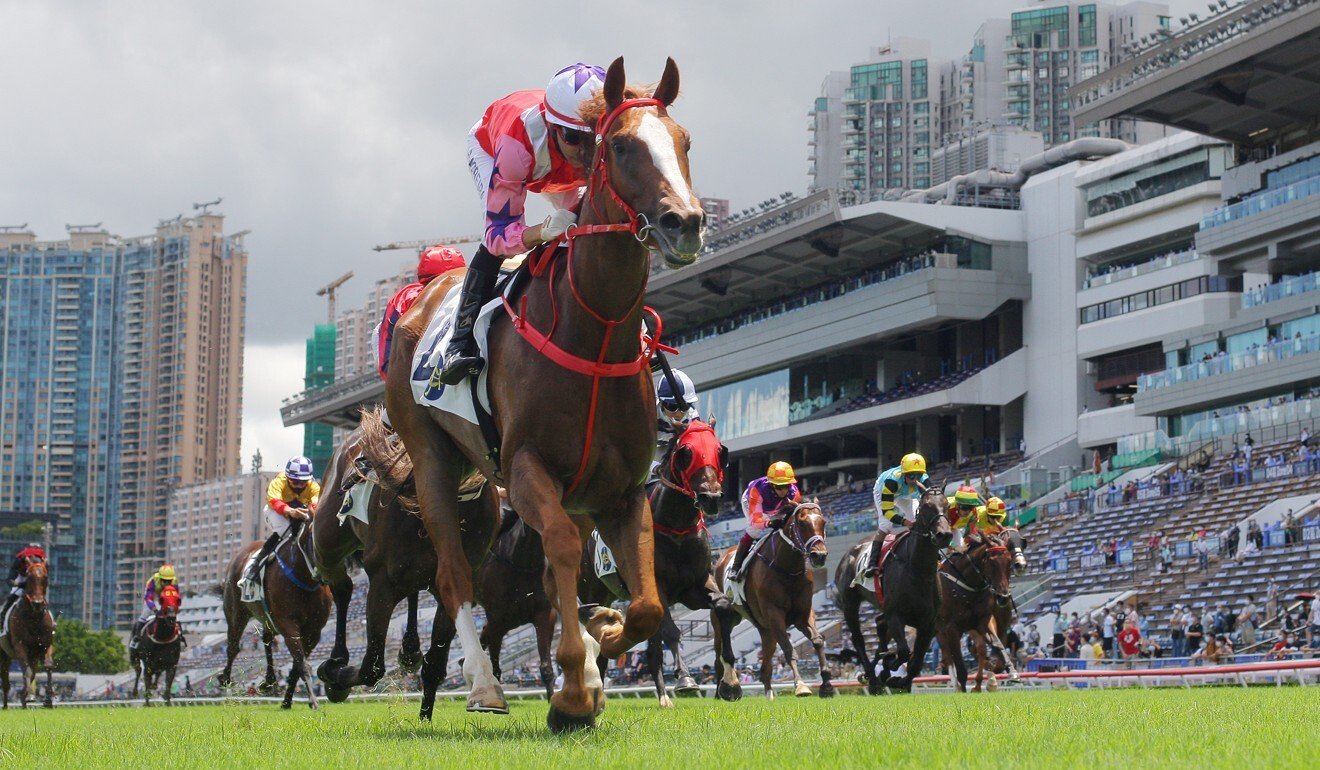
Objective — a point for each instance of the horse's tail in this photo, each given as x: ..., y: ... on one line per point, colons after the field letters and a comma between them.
x: 215, y: 590
x: 385, y: 453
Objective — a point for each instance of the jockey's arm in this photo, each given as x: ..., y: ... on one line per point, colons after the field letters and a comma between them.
x: 149, y: 596
x: 886, y: 491
x: 755, y: 508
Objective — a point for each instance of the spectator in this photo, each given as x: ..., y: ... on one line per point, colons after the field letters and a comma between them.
x: 1292, y: 529
x: 1057, y: 642
x: 1285, y: 646
x: 1129, y: 641
x: 1091, y: 651
x: 1313, y: 623
x: 1202, y: 548
x: 1107, y: 633
x: 1246, y: 621
x: 1254, y: 535
x: 1232, y: 537
x: 1176, y: 631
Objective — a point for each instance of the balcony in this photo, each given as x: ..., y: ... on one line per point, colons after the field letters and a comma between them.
x: 1228, y: 377
x: 1288, y: 287
x: 1103, y: 277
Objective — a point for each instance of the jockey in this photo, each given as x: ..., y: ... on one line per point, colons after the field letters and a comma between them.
x: 528, y: 141
x: 896, y: 494
x: 765, y: 503
x: 431, y: 263
x: 991, y: 516
x: 18, y: 572
x: 963, y: 509
x: 165, y: 576
x: 674, y: 411
x: 293, y: 494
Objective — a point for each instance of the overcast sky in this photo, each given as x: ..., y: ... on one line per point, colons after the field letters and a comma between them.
x: 329, y: 127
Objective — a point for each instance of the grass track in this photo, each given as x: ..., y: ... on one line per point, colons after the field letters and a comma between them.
x: 1206, y: 727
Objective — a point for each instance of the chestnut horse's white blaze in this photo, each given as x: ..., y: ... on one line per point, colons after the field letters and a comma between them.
x: 651, y: 130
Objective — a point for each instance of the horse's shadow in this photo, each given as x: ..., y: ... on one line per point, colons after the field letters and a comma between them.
x: 477, y: 728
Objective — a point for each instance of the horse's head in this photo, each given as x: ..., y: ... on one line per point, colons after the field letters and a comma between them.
x: 992, y: 559
x: 645, y: 157
x: 696, y: 466
x: 933, y: 516
x: 169, y: 602
x: 1017, y: 545
x: 34, y: 589
x: 806, y: 531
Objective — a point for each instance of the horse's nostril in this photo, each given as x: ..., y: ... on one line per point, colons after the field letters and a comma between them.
x: 671, y: 222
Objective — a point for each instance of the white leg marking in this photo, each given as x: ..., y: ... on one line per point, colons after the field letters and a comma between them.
x: 476, y: 663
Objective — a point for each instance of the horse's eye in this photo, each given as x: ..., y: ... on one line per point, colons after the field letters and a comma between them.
x: 619, y: 147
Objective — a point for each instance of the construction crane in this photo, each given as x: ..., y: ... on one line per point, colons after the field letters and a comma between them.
x: 206, y: 207
x: 419, y: 245
x: 328, y: 291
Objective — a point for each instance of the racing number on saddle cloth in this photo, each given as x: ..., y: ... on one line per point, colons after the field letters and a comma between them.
x: 431, y: 363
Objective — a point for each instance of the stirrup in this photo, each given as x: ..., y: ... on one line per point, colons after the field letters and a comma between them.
x: 460, y: 367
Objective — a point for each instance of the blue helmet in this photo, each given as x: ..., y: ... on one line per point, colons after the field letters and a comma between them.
x: 664, y: 394
x: 298, y: 469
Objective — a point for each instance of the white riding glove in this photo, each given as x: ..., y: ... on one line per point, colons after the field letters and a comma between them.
x: 555, y: 224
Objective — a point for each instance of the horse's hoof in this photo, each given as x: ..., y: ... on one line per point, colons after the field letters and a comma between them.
x: 313, y: 705
x: 424, y: 715
x: 802, y: 690
x: 875, y: 688
x: 561, y: 722
x: 488, y: 700
x: 687, y: 686
x: 225, y: 680
x: 826, y: 690
x: 328, y: 671
x: 266, y: 688
x: 410, y: 660
x: 666, y: 702
x: 595, y: 618
x: 728, y: 692
x: 336, y: 694
x: 286, y: 705
x: 769, y: 693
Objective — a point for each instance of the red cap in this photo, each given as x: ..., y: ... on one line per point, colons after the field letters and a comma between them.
x: 436, y: 260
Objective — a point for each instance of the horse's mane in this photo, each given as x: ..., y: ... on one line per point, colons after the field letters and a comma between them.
x: 389, y: 458
x: 595, y: 108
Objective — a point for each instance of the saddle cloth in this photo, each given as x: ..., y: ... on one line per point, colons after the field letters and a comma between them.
x: 429, y: 359
x: 606, y: 568
x: 356, y: 502
x: 736, y: 590
x: 887, y: 547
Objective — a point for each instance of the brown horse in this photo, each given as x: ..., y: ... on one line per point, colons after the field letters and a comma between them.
x: 31, y: 636
x: 973, y: 584
x: 511, y: 587
x: 571, y: 398
x: 779, y: 590
x: 158, y: 652
x: 295, y: 606
x: 396, y: 555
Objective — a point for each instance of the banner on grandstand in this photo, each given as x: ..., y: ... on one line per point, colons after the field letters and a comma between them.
x: 1093, y: 560
x: 1279, y: 471
x: 1148, y: 493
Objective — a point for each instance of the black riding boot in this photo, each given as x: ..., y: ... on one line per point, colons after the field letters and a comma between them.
x: 133, y: 637
x: 9, y: 601
x: 873, y: 563
x: 744, y: 546
x: 462, y: 358
x: 266, y: 549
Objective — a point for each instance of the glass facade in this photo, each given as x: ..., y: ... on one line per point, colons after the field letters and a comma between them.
x: 1148, y: 182
x: 750, y: 406
x: 1040, y: 28
x: 1161, y: 296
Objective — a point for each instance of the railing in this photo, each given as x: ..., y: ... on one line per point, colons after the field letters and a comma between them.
x: 1262, y: 202
x: 1288, y: 287
x: 1122, y: 274
x: 774, y: 219
x: 1223, y: 364
x: 296, y: 404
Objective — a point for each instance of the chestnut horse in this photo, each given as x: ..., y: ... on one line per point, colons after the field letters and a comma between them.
x: 510, y: 586
x: 30, y: 638
x: 396, y: 555
x: 779, y: 589
x: 571, y: 397
x: 158, y: 652
x: 973, y: 585
x: 296, y: 607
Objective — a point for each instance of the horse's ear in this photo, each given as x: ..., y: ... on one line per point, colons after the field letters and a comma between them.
x: 815, y: 501
x: 710, y: 420
x: 614, y: 82
x: 667, y: 91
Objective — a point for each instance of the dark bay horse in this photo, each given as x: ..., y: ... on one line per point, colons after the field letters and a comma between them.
x: 571, y: 396
x: 973, y: 584
x: 911, y: 591
x: 396, y: 554
x: 779, y: 589
x: 689, y: 488
x: 31, y: 637
x: 158, y: 652
x: 511, y: 587
x: 295, y: 606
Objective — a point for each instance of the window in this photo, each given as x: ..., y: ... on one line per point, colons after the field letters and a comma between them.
x: 1042, y: 73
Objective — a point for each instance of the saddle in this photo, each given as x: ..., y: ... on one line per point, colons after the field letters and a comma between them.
x: 148, y: 632
x: 886, y: 548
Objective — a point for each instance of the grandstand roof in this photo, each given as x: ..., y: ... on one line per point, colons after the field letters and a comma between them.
x: 1250, y: 76
x: 828, y: 242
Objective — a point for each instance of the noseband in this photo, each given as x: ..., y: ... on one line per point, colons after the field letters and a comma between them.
x: 795, y: 540
x: 992, y: 548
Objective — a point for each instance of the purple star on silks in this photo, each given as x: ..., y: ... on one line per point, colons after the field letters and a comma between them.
x: 583, y: 73
x: 500, y: 221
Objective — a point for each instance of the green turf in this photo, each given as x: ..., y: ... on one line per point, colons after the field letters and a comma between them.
x: 1205, y: 727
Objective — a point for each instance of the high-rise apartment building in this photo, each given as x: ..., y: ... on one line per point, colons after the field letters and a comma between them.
x: 122, y: 378
x: 355, y: 349
x: 898, y: 109
x: 210, y: 521
x: 318, y: 438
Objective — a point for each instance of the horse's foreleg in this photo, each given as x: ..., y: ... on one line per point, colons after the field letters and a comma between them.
x: 852, y: 619
x: 950, y: 651
x: 380, y: 606
x: 29, y: 681
x: 536, y: 496
x: 767, y: 662
x: 492, y: 641
x: 684, y: 683
x: 632, y: 539
x: 342, y: 591
x: 436, y: 462
x: 436, y: 661
x: 410, y: 653
x: 4, y: 681
x: 137, y: 674
x: 808, y: 629
x: 49, y: 664
x: 896, y: 663
x: 169, y: 685
x: 722, y: 621
x: 268, y: 642
x: 544, y: 623
x: 293, y: 642
x: 918, y: 657
x: 655, y: 664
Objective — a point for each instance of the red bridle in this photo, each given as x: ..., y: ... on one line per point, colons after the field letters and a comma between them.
x: 639, y: 227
